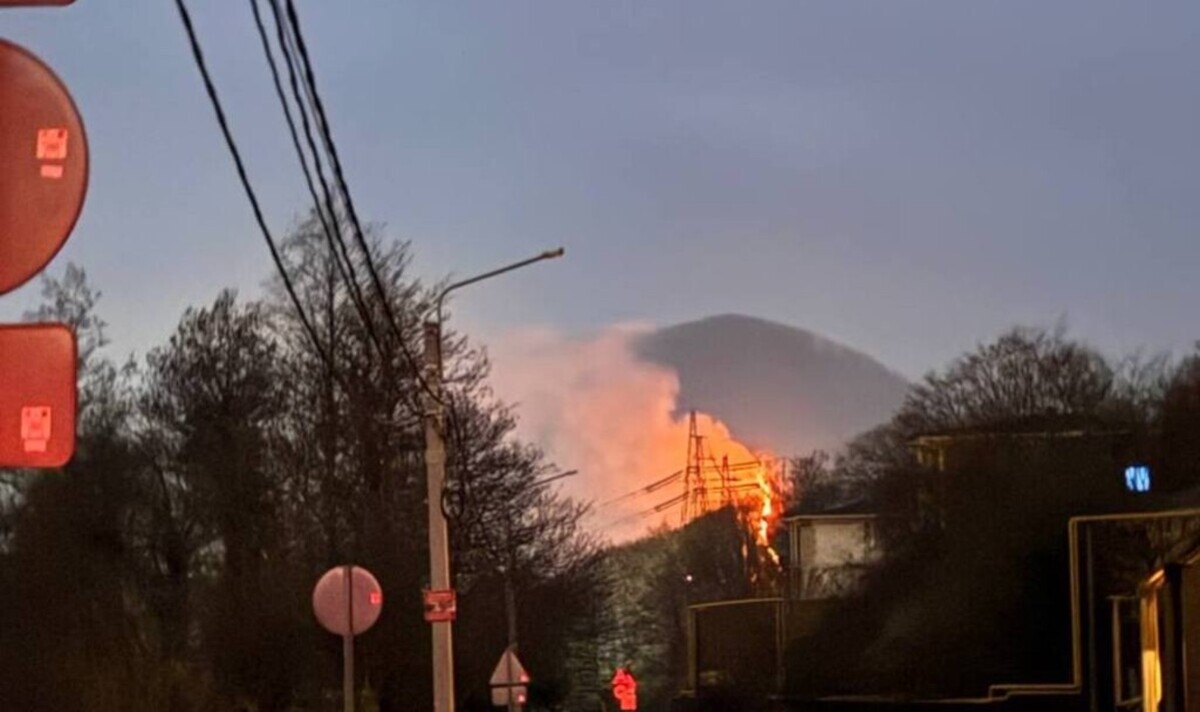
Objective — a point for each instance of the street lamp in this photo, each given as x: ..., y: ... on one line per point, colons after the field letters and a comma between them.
x: 441, y: 298
x: 435, y: 471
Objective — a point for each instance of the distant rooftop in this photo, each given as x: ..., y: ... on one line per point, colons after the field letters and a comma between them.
x: 860, y: 506
x: 1043, y: 426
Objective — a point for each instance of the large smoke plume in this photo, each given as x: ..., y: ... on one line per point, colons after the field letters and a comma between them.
x: 594, y: 406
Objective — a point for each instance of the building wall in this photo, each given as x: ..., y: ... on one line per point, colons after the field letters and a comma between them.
x: 842, y: 543
x: 831, y: 555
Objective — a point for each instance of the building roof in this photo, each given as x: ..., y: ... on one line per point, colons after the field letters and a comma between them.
x: 1036, y: 427
x: 860, y: 507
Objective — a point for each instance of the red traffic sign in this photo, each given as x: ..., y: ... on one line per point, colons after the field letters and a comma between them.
x: 345, y: 594
x: 37, y: 395
x: 441, y: 605
x: 624, y: 688
x: 43, y: 165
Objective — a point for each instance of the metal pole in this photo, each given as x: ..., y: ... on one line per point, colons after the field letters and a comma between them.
x: 435, y: 471
x: 1093, y: 702
x: 439, y: 548
x: 510, y: 606
x: 348, y: 644
x: 510, y: 596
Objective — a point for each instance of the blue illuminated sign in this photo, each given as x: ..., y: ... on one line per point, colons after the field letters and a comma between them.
x: 1137, y: 478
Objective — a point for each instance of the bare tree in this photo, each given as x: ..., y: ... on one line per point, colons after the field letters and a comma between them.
x: 1024, y: 378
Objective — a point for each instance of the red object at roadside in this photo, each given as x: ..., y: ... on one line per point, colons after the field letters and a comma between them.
x: 43, y: 165
x: 347, y: 607
x: 441, y: 605
x: 624, y: 688
x: 37, y: 395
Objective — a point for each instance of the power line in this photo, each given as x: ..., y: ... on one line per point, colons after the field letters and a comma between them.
x: 656, y: 509
x: 346, y: 271
x: 330, y: 227
x: 215, y: 100
x: 339, y: 175
x: 674, y: 477
x: 652, y: 487
x: 288, y: 49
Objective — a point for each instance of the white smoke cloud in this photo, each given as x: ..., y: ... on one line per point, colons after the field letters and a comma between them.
x: 592, y: 405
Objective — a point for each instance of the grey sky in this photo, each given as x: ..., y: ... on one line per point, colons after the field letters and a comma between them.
x: 905, y: 177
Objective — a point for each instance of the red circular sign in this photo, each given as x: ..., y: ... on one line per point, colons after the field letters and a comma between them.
x: 333, y: 606
x: 43, y: 165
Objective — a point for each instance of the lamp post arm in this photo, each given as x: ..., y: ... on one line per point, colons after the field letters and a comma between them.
x: 441, y: 297
x: 552, y: 478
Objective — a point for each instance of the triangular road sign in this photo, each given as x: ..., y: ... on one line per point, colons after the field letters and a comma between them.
x: 509, y: 671
x: 501, y: 696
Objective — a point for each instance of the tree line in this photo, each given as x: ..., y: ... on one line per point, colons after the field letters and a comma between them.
x: 973, y: 481
x: 170, y: 565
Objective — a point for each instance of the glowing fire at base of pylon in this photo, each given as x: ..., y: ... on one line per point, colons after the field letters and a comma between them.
x: 764, y: 521
x: 767, y: 515
x: 748, y: 480
x: 760, y: 507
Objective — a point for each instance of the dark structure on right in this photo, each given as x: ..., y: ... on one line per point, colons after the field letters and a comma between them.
x: 1058, y: 575
x: 1042, y: 568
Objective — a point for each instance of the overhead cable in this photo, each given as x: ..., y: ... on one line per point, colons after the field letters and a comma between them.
x: 322, y: 121
x: 328, y: 214
x: 214, y: 99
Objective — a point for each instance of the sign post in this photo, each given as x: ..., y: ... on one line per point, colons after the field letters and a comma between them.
x: 442, y: 631
x: 347, y: 601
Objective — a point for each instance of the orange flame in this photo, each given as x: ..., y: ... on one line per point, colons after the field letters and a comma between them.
x: 767, y: 508
x: 766, y: 514
x: 753, y: 487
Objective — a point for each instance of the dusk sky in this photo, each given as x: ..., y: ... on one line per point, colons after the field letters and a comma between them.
x: 908, y: 178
